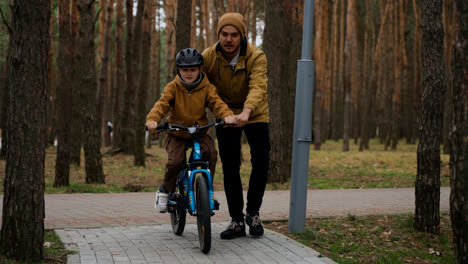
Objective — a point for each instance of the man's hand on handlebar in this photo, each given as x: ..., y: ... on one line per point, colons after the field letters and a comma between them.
x: 232, y: 119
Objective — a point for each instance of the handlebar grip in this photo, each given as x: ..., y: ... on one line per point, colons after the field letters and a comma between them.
x: 162, y: 126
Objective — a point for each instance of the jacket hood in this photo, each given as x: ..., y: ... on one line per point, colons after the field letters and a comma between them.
x: 181, y: 86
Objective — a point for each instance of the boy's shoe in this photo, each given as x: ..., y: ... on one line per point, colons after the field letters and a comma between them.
x: 255, y: 224
x: 235, y: 229
x: 161, y: 201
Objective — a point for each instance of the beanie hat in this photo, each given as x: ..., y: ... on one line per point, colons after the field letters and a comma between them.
x: 233, y: 19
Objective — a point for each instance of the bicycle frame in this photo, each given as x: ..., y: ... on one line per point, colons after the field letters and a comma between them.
x: 190, y: 175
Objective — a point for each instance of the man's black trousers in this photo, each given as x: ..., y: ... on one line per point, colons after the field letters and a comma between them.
x: 229, y: 143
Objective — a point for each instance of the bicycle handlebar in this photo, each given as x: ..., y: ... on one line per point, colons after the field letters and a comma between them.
x: 167, y: 126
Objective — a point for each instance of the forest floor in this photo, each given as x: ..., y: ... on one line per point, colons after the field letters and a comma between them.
x: 329, y: 168
x: 348, y: 239
x: 374, y: 239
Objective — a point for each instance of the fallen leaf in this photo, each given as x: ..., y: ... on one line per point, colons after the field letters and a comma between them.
x: 47, y: 244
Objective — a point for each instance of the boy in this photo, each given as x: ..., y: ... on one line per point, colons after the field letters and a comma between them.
x: 186, y: 98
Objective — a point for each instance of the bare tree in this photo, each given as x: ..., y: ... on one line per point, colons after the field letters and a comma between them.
x: 86, y: 57
x: 459, y: 146
x: 119, y: 74
x: 126, y: 131
x: 427, y: 215
x: 64, y: 92
x: 76, y: 131
x: 22, y: 233
x: 282, y: 40
x: 104, y: 81
x: 144, y: 85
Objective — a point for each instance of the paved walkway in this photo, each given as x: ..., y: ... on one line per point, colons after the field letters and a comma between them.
x: 124, y: 228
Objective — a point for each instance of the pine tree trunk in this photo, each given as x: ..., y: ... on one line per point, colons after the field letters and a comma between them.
x: 206, y: 22
x: 448, y: 19
x: 193, y: 25
x: 366, y: 75
x: 351, y: 69
x: 103, y: 84
x: 184, y: 20
x: 334, y: 70
x: 64, y: 92
x: 126, y: 131
x: 144, y: 86
x: 170, y: 34
x: 22, y: 232
x: 417, y: 79
x: 459, y: 145
x: 282, y: 40
x: 319, y: 72
x: 119, y: 75
x: 50, y: 63
x: 87, y: 70
x: 253, y: 23
x: 102, y: 27
x: 76, y: 132
x: 427, y: 215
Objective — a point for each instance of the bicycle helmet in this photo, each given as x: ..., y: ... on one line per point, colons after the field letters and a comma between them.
x: 189, y: 58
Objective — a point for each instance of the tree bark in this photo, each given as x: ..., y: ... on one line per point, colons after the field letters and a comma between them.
x: 144, y: 86
x: 86, y: 57
x: 183, y: 23
x: 119, y: 76
x: 193, y: 25
x: 449, y: 21
x: 282, y: 41
x: 427, y: 215
x: 170, y: 34
x: 103, y: 83
x: 417, y: 58
x: 351, y: 69
x: 76, y: 132
x: 64, y: 92
x: 319, y: 58
x: 126, y: 132
x: 22, y: 232
x: 459, y: 139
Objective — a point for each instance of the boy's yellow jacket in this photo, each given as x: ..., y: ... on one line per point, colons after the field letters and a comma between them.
x: 188, y: 108
x: 243, y: 86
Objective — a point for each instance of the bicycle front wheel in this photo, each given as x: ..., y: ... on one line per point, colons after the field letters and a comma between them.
x: 202, y: 201
x: 179, y: 213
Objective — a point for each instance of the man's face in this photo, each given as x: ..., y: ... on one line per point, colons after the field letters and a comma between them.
x: 229, y: 39
x: 189, y: 74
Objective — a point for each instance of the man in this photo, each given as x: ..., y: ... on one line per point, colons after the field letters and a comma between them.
x: 238, y: 70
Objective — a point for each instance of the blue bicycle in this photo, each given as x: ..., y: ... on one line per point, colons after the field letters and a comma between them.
x: 194, y: 189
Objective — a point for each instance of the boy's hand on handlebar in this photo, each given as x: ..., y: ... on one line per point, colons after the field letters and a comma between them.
x: 152, y: 126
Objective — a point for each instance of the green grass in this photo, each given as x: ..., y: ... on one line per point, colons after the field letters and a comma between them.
x: 374, y: 239
x: 329, y: 168
x: 54, y: 251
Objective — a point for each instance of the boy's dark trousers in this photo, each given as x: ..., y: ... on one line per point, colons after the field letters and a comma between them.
x: 176, y: 147
x: 229, y: 142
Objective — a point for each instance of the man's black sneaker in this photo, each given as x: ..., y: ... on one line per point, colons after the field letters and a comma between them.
x: 255, y: 224
x: 235, y: 229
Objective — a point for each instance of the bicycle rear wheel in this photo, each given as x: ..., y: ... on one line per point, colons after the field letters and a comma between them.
x: 179, y: 214
x: 202, y: 202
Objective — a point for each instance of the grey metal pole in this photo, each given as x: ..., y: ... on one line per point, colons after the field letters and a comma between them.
x: 302, y: 125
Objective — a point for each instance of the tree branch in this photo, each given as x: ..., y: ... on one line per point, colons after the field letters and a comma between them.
x: 5, y: 22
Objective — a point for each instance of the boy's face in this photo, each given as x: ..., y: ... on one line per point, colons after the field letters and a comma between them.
x: 189, y: 74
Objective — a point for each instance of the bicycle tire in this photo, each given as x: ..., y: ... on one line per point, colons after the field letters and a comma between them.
x: 202, y: 203
x: 178, y: 216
